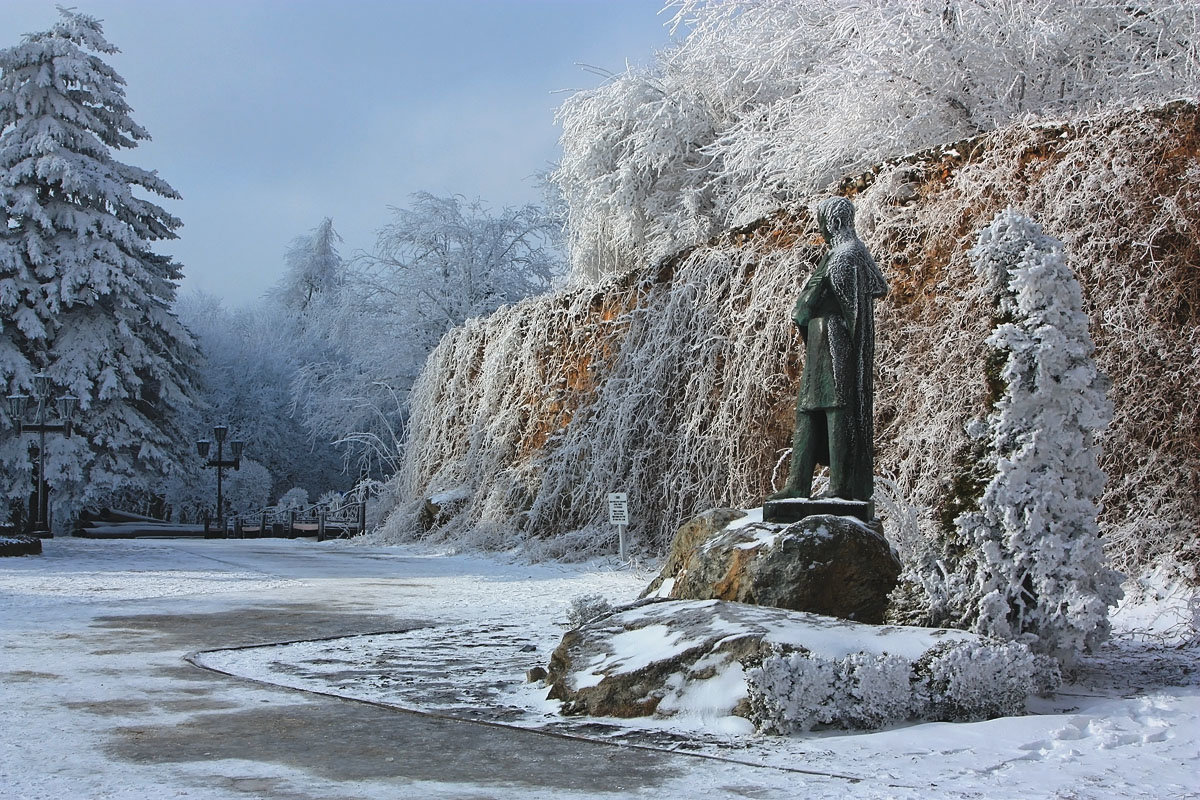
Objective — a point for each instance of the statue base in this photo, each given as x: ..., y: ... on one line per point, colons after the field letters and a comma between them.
x: 794, y: 509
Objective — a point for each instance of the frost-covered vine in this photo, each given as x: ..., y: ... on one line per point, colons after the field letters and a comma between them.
x: 676, y: 382
x: 766, y: 101
x: 537, y: 412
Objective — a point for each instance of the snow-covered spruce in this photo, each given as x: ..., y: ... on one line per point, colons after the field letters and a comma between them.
x: 83, y: 298
x: 956, y: 681
x: 1039, y: 573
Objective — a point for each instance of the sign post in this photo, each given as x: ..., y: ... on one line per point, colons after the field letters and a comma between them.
x: 618, y: 514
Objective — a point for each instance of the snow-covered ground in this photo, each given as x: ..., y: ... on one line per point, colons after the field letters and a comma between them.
x: 99, y: 701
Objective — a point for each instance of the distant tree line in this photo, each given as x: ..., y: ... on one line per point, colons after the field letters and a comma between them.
x: 314, y: 377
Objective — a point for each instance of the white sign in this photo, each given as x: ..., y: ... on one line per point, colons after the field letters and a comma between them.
x: 618, y: 509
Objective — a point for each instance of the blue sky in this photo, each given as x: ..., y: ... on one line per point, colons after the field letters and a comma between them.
x: 268, y: 115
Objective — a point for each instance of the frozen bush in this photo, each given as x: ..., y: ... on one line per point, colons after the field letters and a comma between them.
x: 248, y: 488
x: 331, y: 499
x: 1036, y: 567
x: 294, y: 498
x: 795, y: 690
x: 878, y: 690
x: 585, y: 608
x: 974, y: 680
x: 792, y: 691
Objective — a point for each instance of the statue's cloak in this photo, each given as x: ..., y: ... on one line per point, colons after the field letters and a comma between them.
x: 837, y: 311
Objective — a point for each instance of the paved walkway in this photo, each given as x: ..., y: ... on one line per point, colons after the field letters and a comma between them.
x: 99, y: 700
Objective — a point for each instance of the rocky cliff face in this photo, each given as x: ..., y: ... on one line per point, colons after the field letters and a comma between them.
x: 674, y: 382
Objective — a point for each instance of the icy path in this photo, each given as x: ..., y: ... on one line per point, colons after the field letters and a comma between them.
x: 98, y: 700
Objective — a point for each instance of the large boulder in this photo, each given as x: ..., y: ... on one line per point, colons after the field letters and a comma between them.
x: 832, y: 565
x: 729, y: 667
x: 627, y: 663
x: 693, y: 533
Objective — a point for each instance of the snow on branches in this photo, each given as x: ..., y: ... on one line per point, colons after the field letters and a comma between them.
x: 438, y: 263
x: 767, y: 101
x: 83, y: 297
x: 1039, y: 570
x: 314, y: 268
x: 959, y: 680
x: 676, y: 382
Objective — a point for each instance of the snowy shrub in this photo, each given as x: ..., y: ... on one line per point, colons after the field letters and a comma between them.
x: 971, y: 680
x: 922, y: 595
x: 792, y: 691
x: 795, y: 690
x: 877, y: 690
x: 331, y: 499
x: 585, y: 608
x: 293, y: 499
x: 1039, y: 571
x: 248, y: 489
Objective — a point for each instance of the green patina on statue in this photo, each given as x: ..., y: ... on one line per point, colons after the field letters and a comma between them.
x: 836, y: 317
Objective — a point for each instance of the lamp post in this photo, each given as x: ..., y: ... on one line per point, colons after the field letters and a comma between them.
x: 219, y: 463
x: 17, y: 406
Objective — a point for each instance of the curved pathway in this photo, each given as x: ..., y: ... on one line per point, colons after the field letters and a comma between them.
x: 99, y: 700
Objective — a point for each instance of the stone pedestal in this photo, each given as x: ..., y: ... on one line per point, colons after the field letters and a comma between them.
x: 794, y: 509
x: 831, y: 564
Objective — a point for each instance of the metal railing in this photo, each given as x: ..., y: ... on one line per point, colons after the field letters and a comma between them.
x: 333, y: 520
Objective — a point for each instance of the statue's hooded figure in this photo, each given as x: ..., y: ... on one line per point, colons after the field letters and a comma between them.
x: 835, y: 314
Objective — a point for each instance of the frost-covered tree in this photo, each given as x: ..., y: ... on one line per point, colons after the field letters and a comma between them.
x: 765, y: 101
x: 250, y: 359
x: 314, y: 268
x: 293, y: 499
x: 83, y: 296
x: 247, y: 489
x: 438, y: 263
x: 1039, y: 572
x: 444, y: 260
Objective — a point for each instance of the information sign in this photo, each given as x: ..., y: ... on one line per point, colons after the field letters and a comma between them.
x: 618, y: 508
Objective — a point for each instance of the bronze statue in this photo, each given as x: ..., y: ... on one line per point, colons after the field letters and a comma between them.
x: 836, y: 317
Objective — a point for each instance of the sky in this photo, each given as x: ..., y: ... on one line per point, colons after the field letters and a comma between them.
x: 269, y: 115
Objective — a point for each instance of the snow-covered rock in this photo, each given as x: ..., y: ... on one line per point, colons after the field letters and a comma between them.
x: 740, y: 666
x: 824, y: 564
x: 20, y: 545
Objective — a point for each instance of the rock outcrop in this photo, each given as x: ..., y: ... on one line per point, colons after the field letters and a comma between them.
x: 676, y: 382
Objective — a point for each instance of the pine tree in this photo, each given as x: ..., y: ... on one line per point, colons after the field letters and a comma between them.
x: 1039, y: 569
x: 83, y: 297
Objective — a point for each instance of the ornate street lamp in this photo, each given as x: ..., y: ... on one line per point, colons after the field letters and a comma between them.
x: 18, y: 404
x: 219, y: 463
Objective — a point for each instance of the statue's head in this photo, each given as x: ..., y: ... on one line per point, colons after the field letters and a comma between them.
x: 835, y: 215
